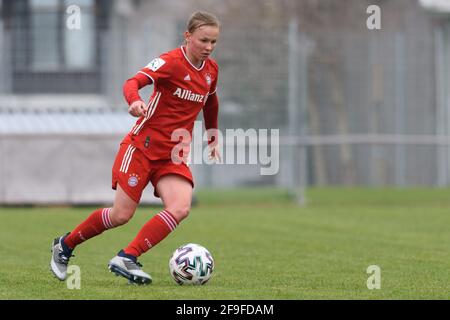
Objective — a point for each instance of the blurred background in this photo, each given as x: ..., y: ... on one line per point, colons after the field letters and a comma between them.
x: 355, y: 107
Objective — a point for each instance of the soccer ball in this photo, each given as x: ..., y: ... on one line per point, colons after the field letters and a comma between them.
x: 191, y: 264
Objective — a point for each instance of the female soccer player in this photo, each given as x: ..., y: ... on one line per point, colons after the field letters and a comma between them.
x: 184, y: 82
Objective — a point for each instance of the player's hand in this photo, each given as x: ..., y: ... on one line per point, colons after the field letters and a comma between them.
x: 137, y: 109
x: 214, y: 153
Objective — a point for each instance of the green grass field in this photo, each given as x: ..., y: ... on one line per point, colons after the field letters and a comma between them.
x: 265, y: 247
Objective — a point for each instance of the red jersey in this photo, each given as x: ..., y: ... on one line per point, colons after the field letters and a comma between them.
x: 180, y: 92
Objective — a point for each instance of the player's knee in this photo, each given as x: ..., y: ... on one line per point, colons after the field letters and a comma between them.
x: 180, y: 212
x: 121, y: 216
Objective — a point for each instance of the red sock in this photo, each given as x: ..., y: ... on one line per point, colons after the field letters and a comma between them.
x: 95, y: 224
x: 156, y: 229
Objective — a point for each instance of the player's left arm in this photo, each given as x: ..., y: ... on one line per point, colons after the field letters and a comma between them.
x: 211, y: 116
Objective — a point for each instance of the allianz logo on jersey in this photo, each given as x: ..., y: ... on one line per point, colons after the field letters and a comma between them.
x: 189, y: 95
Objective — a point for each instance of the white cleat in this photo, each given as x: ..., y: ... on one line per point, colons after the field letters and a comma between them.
x: 59, y: 260
x: 129, y: 268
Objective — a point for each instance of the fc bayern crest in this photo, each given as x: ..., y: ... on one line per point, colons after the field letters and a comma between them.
x: 133, y: 180
x: 208, y: 79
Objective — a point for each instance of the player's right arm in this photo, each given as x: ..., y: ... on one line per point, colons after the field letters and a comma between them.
x: 157, y: 70
x: 137, y: 106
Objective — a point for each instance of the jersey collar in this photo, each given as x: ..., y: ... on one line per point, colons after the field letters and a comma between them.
x: 185, y: 56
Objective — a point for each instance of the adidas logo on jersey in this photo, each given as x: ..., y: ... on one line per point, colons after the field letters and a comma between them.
x: 187, y: 78
x: 188, y: 95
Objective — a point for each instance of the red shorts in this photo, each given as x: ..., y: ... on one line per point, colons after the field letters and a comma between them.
x: 133, y: 171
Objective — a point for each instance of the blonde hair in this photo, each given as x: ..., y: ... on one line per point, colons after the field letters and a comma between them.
x: 201, y: 18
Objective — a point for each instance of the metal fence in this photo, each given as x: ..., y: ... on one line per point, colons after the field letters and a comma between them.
x: 352, y: 108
